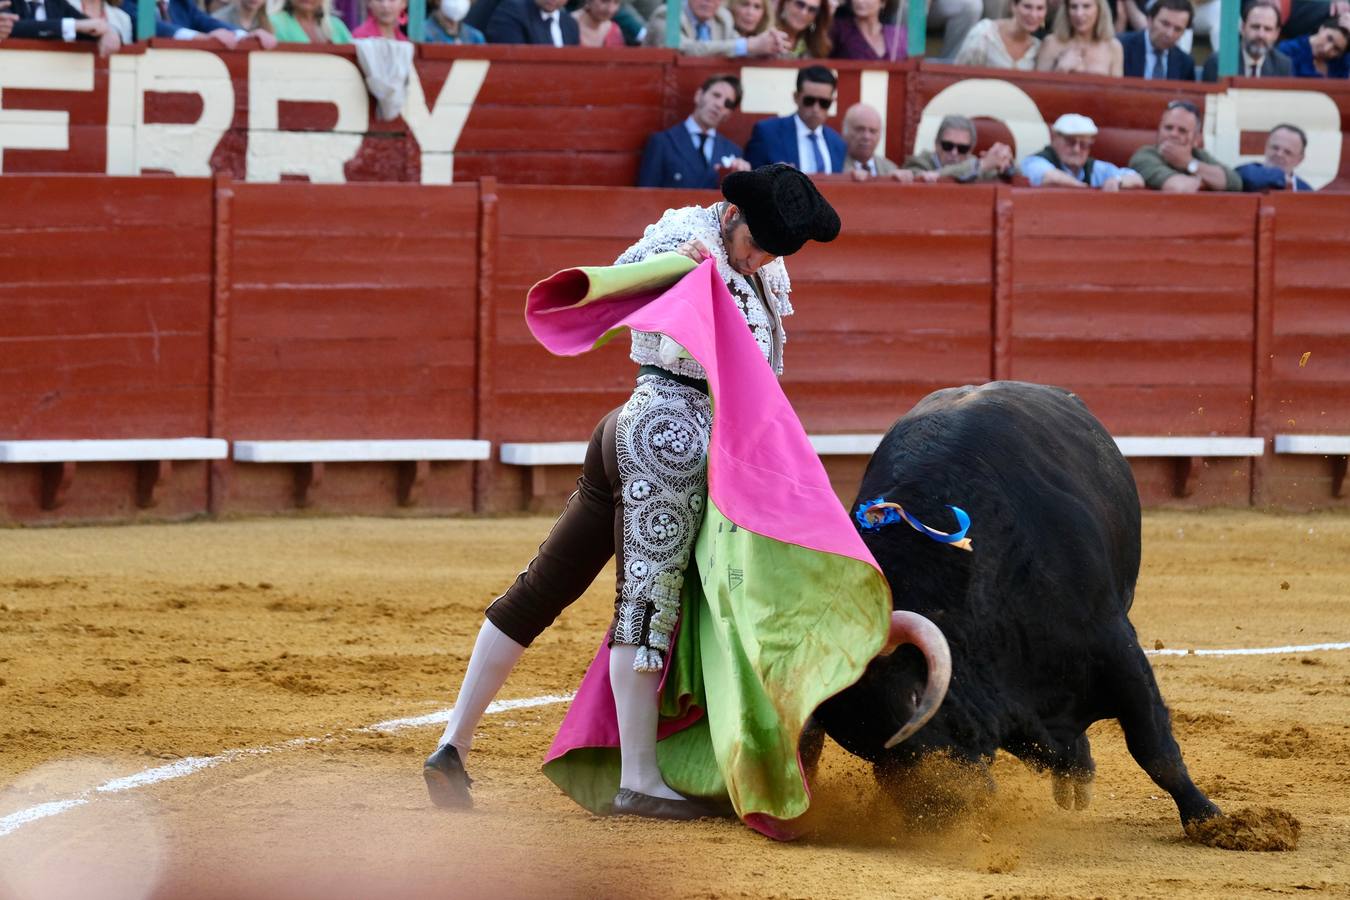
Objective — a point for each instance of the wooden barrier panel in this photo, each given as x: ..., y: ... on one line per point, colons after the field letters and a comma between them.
x: 353, y: 314
x: 1143, y: 305
x: 898, y: 305
x: 106, y: 293
x: 152, y: 307
x: 1307, y: 316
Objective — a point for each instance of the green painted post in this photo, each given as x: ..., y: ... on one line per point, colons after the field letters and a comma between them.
x: 145, y: 20
x: 917, y: 25
x: 417, y: 21
x: 1229, y: 14
x: 674, y: 12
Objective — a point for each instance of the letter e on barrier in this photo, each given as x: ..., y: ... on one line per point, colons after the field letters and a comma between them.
x: 184, y: 149
x: 40, y: 129
x: 307, y: 77
x: 437, y: 131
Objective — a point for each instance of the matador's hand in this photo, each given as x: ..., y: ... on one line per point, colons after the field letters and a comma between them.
x: 694, y: 250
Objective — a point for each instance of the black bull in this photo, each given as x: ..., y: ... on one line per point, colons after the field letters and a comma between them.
x: 1035, y: 617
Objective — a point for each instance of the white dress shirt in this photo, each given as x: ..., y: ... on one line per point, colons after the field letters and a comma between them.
x: 554, y: 27
x: 805, y: 154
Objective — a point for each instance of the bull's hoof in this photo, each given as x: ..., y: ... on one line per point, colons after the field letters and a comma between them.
x: 1072, y: 791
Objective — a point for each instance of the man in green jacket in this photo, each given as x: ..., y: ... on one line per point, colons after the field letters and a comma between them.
x: 1177, y: 163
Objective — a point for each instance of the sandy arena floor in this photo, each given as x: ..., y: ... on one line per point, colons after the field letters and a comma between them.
x: 124, y: 649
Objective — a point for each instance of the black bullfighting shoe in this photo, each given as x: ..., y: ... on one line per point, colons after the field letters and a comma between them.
x: 631, y: 803
x: 447, y: 782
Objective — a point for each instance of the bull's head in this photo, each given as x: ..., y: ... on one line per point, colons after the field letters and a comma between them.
x: 911, y: 628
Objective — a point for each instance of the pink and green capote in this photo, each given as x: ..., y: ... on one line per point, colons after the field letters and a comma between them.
x: 783, y: 606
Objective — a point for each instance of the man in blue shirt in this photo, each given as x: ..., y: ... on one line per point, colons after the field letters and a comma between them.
x: 1068, y: 162
x: 1285, y: 147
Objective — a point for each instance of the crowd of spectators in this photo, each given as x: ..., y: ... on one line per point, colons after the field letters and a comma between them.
x: 694, y: 154
x: 1101, y: 37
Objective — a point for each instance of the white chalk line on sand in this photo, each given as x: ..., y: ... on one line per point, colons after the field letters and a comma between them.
x: 188, y: 765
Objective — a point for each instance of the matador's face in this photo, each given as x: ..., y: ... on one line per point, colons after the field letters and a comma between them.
x: 743, y: 253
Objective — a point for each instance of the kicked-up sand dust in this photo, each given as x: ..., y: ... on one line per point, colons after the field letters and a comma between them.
x: 124, y: 649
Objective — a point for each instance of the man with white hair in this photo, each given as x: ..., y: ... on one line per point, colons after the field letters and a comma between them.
x: 862, y: 134
x: 1068, y: 161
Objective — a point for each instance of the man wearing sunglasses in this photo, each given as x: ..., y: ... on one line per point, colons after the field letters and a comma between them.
x: 1177, y: 163
x: 953, y: 156
x: 692, y: 154
x: 1068, y: 161
x: 802, y: 140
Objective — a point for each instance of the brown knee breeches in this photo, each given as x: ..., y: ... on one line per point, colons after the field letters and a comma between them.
x: 640, y: 499
x: 586, y: 536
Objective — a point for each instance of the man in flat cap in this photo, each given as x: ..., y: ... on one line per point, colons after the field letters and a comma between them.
x: 650, y: 454
x: 1068, y: 161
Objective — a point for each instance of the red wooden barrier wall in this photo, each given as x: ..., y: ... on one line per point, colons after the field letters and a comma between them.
x: 1144, y: 305
x: 105, y: 287
x: 352, y: 314
x: 1305, y: 312
x: 175, y: 307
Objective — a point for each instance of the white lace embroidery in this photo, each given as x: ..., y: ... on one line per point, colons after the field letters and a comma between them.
x: 662, y: 447
x: 701, y: 223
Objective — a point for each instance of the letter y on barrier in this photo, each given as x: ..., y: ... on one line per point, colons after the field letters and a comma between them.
x: 437, y: 131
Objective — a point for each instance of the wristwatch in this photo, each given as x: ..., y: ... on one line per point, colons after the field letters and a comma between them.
x: 1192, y: 167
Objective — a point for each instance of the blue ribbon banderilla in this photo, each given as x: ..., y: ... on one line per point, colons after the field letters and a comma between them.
x: 873, y: 515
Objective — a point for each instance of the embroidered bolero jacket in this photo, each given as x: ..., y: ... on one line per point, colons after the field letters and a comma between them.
x: 699, y: 223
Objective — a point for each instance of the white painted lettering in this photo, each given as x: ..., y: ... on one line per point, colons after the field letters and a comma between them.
x: 40, y: 129
x: 314, y: 77
x: 437, y: 131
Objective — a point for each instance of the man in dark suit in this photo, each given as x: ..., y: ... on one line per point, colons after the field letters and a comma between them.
x: 1152, y: 53
x: 532, y: 22
x: 692, y: 154
x: 57, y: 20
x: 1285, y: 146
x: 802, y: 139
x: 1260, y: 59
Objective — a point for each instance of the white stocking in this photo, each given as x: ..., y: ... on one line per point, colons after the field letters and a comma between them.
x: 637, y: 703
x: 494, y: 655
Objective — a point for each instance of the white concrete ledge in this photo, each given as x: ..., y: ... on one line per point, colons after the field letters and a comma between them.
x: 1317, y: 444
x: 359, y: 451
x: 136, y: 449
x: 1191, y: 446
x: 845, y: 444
x: 543, y: 454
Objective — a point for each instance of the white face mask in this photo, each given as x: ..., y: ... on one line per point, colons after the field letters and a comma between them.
x: 454, y: 10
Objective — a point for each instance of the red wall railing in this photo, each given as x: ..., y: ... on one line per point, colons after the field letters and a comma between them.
x: 158, y: 307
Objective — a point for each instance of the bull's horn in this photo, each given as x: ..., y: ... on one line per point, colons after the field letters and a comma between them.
x: 911, y: 628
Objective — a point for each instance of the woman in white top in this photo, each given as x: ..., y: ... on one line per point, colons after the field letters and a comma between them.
x: 1005, y: 43
x: 1084, y: 40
